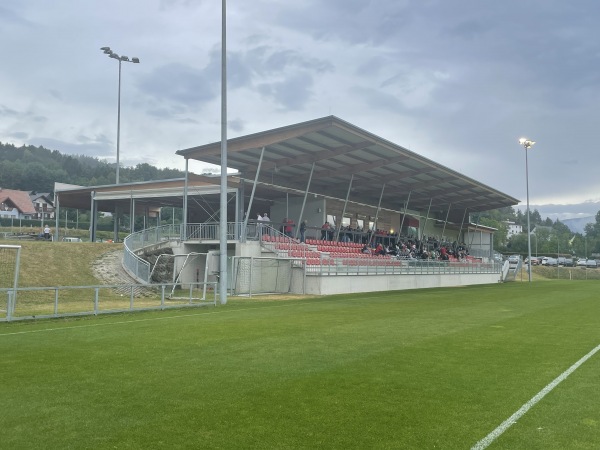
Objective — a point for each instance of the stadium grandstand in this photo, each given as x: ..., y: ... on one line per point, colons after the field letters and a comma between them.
x: 318, y: 207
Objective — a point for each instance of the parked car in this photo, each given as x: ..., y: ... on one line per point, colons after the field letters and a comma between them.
x: 513, y: 260
x: 591, y: 264
x: 544, y: 261
x: 582, y: 262
x: 536, y: 260
x: 561, y: 260
x: 551, y: 262
x: 71, y: 239
x: 568, y: 262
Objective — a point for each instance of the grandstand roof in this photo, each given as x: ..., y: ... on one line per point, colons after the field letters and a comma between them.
x: 339, y: 151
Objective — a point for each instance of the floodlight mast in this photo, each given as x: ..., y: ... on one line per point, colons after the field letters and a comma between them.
x: 527, y: 144
x: 121, y: 59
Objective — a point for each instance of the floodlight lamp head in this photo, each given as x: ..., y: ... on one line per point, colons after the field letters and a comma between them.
x: 135, y: 60
x: 114, y: 55
x: 124, y: 58
x: 527, y: 143
x: 105, y: 49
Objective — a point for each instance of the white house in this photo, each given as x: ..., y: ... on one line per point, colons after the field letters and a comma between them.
x: 513, y: 228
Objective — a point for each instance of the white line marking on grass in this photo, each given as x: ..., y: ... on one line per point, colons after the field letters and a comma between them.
x: 485, y: 442
x: 172, y: 317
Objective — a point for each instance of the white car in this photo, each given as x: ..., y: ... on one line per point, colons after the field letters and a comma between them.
x: 591, y: 264
x: 553, y: 262
x: 513, y: 260
x: 582, y: 262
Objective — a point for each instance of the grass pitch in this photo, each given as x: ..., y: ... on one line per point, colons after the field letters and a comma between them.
x: 435, y: 368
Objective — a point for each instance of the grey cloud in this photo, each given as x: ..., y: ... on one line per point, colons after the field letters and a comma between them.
x: 283, y: 59
x: 21, y: 135
x: 282, y: 75
x: 372, y: 66
x: 172, y: 4
x: 10, y: 17
x: 8, y: 112
x: 379, y: 100
x: 180, y: 83
x: 292, y: 93
x: 236, y: 125
x: 98, y: 146
x: 187, y: 120
x: 355, y: 21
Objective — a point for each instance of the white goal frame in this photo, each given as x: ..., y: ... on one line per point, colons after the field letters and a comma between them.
x: 10, y: 285
x: 256, y: 277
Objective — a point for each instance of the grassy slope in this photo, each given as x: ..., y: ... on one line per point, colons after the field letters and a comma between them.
x: 435, y: 368
x: 58, y: 263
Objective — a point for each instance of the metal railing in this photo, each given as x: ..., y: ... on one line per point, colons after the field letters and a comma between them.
x: 65, y: 301
x: 317, y: 262
x: 137, y: 267
x: 314, y: 262
x: 367, y: 266
x: 210, y: 231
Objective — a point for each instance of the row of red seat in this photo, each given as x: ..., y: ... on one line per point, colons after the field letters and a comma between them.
x: 320, y: 262
x: 303, y: 254
x: 289, y: 246
x: 334, y: 243
x: 337, y: 249
x: 353, y: 262
x: 267, y: 238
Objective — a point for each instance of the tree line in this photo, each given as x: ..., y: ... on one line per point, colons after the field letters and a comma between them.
x: 30, y: 168
x: 549, y: 238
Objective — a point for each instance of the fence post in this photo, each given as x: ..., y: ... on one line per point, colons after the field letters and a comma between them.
x: 96, y: 301
x: 131, y: 299
x: 56, y: 301
x: 9, y: 306
x: 162, y: 297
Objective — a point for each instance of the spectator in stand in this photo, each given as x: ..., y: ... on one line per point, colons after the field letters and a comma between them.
x: 444, y: 254
x: 379, y: 250
x: 303, y: 231
x: 258, y: 226
x: 392, y: 249
x: 288, y: 226
x: 366, y: 250
x: 325, y: 230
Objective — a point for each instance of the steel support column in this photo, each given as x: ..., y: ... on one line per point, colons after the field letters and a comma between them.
x: 312, y: 169
x: 337, y: 234
x: 251, y: 201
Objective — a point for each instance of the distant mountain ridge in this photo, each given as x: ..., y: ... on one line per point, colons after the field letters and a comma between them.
x: 578, y: 224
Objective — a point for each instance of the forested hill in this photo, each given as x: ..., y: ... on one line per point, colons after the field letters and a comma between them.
x: 30, y: 168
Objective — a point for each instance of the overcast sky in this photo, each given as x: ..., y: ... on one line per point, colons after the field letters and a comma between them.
x: 455, y: 81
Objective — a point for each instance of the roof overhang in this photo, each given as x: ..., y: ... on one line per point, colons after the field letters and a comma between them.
x: 341, y: 152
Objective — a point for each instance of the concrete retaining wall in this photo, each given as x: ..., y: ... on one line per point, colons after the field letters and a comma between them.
x: 340, y: 284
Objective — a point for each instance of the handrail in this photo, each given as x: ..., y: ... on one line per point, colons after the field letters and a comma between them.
x: 267, y: 235
x: 136, y: 266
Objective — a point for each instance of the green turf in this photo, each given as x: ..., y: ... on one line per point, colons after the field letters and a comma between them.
x: 436, y: 368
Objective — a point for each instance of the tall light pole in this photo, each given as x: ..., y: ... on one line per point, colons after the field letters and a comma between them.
x: 527, y: 144
x: 113, y: 55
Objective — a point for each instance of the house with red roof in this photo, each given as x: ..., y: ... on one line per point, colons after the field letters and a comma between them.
x: 16, y: 204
